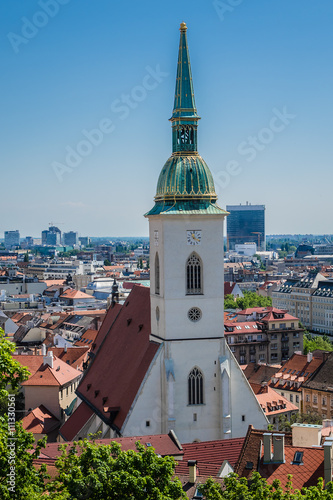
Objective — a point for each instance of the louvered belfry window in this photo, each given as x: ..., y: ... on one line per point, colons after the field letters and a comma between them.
x: 194, y: 275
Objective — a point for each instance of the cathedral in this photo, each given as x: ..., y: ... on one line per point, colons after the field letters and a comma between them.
x: 161, y: 361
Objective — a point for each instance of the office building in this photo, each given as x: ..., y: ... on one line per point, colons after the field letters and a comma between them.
x: 70, y: 238
x: 12, y: 239
x: 246, y: 223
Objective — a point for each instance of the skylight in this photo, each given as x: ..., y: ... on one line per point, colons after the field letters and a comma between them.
x: 298, y: 457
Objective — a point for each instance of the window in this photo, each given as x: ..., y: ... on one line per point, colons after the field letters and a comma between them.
x: 273, y: 346
x: 297, y: 399
x: 147, y: 423
x: 66, y: 391
x: 157, y: 274
x: 273, y: 326
x: 194, y: 275
x: 195, y: 387
x: 261, y: 357
x: 298, y: 457
x: 315, y: 399
x: 291, y: 398
x: 307, y: 398
x: 261, y: 347
x: 273, y: 336
x: 324, y: 401
x: 243, y: 418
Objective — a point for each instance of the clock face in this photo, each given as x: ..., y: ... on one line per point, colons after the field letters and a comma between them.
x: 193, y: 237
x: 156, y: 238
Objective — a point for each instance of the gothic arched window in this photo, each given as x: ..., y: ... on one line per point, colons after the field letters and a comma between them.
x: 157, y: 274
x: 194, y: 275
x: 195, y: 387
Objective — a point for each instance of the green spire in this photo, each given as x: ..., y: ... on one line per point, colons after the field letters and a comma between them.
x: 184, y: 117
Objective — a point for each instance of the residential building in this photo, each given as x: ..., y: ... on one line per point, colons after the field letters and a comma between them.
x: 168, y: 363
x: 270, y: 338
x: 317, y: 391
x: 52, y: 383
x: 12, y: 239
x: 273, y: 404
x: 288, y: 380
x: 246, y: 224
x: 310, y: 298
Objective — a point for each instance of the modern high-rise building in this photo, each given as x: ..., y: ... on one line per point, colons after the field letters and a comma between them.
x: 12, y: 239
x: 84, y: 241
x: 246, y: 223
x: 70, y: 238
x: 51, y: 236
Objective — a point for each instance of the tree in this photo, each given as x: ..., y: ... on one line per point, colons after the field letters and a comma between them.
x: 12, y: 373
x: 26, y: 257
x: 19, y: 478
x: 107, y: 262
x: 257, y: 488
x: 311, y: 343
x: 97, y: 472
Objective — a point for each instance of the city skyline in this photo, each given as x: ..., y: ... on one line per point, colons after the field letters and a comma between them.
x: 88, y: 92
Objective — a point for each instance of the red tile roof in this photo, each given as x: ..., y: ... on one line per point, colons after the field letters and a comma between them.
x: 210, y: 455
x: 76, y: 421
x: 40, y: 421
x: 74, y: 356
x: 270, y: 400
x: 87, y: 339
x: 75, y: 294
x: 125, y: 345
x: 42, y: 374
x: 304, y: 475
x: 299, y: 368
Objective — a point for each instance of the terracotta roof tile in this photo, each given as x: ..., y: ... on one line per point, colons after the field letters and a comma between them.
x: 210, y: 455
x: 40, y: 421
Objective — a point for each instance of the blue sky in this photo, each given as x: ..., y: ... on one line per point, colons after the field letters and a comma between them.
x: 263, y: 82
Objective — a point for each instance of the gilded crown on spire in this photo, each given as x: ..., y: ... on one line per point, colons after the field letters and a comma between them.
x: 183, y: 27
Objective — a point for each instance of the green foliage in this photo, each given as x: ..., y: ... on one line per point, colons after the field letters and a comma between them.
x: 257, y: 488
x: 26, y: 257
x: 102, y: 471
x: 311, y: 343
x: 107, y: 262
x: 12, y: 373
x: 251, y: 299
x: 29, y: 482
x: 310, y: 416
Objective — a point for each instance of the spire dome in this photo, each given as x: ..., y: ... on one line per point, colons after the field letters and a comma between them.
x: 185, y: 184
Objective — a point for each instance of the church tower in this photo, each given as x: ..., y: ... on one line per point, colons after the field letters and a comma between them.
x: 186, y: 229
x: 198, y: 388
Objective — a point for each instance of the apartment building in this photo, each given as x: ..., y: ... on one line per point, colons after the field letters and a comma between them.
x: 270, y: 338
x: 310, y: 299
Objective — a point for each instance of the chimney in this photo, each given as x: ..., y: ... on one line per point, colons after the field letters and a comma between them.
x: 43, y: 350
x: 48, y: 360
x: 306, y: 435
x: 328, y: 460
x: 264, y: 387
x: 192, y: 471
x: 309, y: 357
x: 65, y: 348
x: 267, y: 436
x: 278, y: 448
